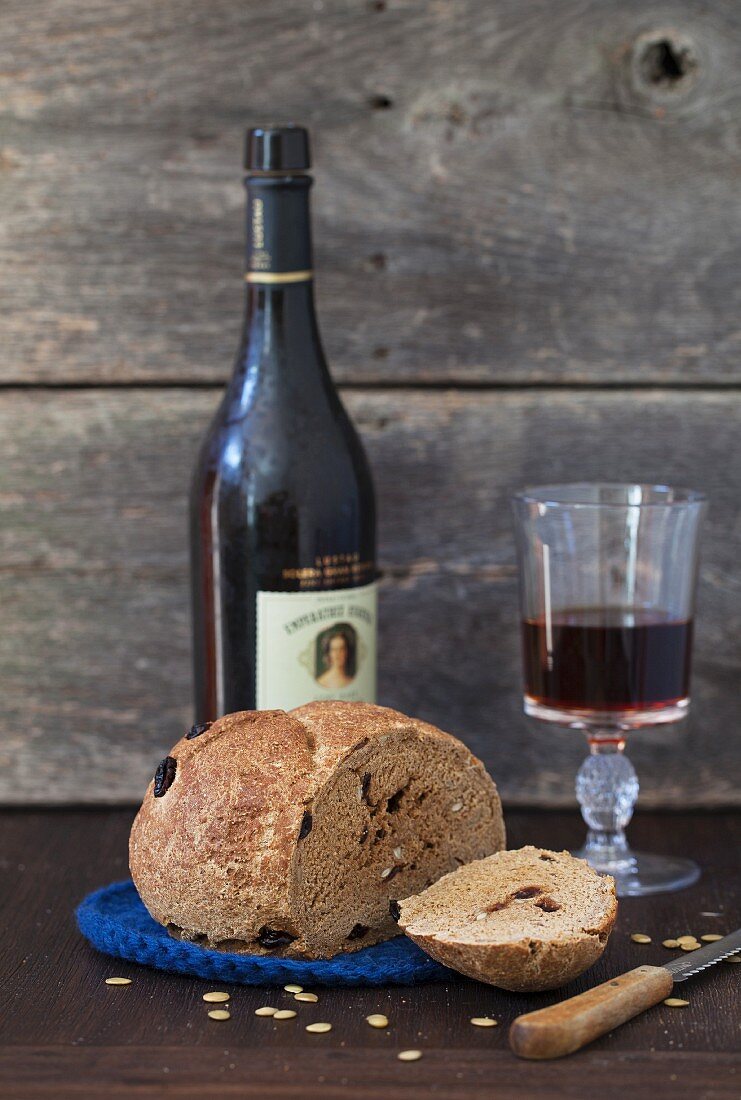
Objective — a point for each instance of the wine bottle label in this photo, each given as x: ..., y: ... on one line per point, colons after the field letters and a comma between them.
x: 316, y: 645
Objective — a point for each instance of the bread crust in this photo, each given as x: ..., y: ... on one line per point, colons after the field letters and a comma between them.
x: 530, y: 962
x: 225, y: 829
x: 214, y: 859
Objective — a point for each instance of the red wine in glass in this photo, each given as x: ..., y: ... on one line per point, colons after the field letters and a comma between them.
x: 607, y: 659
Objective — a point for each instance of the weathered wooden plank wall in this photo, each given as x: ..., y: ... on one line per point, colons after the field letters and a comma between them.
x: 527, y: 216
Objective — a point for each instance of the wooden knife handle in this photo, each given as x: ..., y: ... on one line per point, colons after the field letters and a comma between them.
x: 570, y: 1025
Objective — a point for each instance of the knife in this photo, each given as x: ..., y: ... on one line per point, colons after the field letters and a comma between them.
x: 565, y: 1027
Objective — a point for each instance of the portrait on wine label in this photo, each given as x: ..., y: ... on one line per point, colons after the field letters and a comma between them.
x: 336, y: 649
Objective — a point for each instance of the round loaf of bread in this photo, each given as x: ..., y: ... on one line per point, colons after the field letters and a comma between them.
x: 289, y: 833
x: 523, y: 920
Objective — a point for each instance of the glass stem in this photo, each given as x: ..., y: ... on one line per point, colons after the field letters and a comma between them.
x: 607, y: 789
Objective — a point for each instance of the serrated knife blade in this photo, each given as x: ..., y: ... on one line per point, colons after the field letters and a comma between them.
x: 692, y: 962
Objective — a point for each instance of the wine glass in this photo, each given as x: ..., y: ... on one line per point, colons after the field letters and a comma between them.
x: 608, y: 575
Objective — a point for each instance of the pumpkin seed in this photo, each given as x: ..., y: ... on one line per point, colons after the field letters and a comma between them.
x: 293, y: 988
x: 377, y: 1019
x: 675, y: 1002
x: 266, y: 1010
x: 483, y: 1021
x: 309, y: 998
x: 318, y: 1029
x: 409, y: 1055
x: 284, y: 1014
x: 118, y: 981
x: 219, y: 1014
x: 216, y: 997
x: 640, y: 937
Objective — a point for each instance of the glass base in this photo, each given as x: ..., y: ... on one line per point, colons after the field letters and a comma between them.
x: 637, y: 874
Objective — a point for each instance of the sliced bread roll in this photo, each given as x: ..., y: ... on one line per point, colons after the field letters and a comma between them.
x: 288, y: 834
x: 524, y: 920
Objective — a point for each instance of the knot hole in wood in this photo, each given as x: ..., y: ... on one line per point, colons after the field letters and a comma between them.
x: 664, y: 64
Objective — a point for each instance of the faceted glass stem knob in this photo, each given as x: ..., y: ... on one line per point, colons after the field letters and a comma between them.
x: 607, y: 789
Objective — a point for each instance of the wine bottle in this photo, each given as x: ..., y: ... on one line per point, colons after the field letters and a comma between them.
x: 282, y: 506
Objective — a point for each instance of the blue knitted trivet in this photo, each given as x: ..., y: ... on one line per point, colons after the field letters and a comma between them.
x: 115, y: 921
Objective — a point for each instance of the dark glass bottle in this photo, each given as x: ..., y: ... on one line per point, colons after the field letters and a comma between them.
x: 282, y: 506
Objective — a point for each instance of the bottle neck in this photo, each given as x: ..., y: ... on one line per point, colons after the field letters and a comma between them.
x: 278, y: 230
x: 279, y: 317
x: 281, y: 335
x: 280, y: 328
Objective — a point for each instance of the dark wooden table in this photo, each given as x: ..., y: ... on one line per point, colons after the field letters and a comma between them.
x: 64, y: 1033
